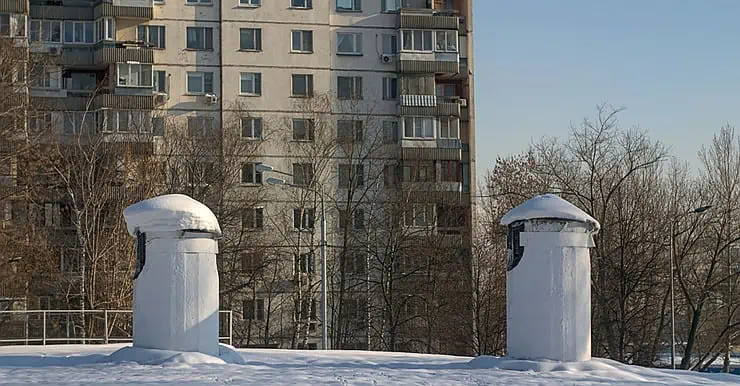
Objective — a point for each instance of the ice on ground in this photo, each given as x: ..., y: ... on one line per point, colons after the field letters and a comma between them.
x: 548, y: 206
x: 92, y: 365
x: 171, y: 212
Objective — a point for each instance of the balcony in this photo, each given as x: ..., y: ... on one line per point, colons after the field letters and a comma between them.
x: 428, y: 19
x: 60, y: 12
x: 117, y: 100
x: 124, y: 51
x: 429, y: 105
x: 411, y: 151
x: 14, y: 6
x: 128, y: 9
x: 429, y: 62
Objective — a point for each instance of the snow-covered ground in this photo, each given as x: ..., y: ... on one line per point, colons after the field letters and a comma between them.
x: 92, y: 365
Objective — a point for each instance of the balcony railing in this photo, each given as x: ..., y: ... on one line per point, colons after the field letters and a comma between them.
x: 14, y: 6
x: 123, y: 51
x: 132, y: 9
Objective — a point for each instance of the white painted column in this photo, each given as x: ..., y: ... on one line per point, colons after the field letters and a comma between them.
x: 548, y: 284
x: 176, y: 292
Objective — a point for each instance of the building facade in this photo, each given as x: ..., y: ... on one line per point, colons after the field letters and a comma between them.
x: 387, y: 85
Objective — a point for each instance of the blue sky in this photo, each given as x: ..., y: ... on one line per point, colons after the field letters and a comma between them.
x: 542, y: 64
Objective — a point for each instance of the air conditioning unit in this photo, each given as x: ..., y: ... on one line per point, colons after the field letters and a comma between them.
x: 462, y: 102
x: 211, y: 99
x: 55, y: 50
x: 387, y: 59
x: 160, y: 98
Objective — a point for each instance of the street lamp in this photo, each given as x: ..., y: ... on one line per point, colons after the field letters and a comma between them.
x: 263, y: 168
x: 698, y: 210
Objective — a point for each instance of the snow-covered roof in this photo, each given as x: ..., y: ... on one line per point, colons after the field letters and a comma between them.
x: 171, y: 212
x: 548, y: 206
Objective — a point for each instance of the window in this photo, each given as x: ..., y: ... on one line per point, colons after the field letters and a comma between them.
x: 250, y: 3
x: 303, y: 130
x: 358, y: 219
x: 419, y: 216
x: 391, y: 176
x: 346, y: 179
x: 251, y: 128
x: 306, y: 309
x: 123, y: 121
x: 105, y: 29
x: 419, y: 172
x: 390, y: 44
x: 253, y: 261
x: 302, y: 41
x: 254, y: 309
x: 302, y: 85
x: 446, y: 41
x: 46, y: 31
x: 134, y: 75
x: 158, y: 126
x: 253, y: 218
x: 418, y: 127
x: 391, y: 5
x: 250, y: 83
x: 390, y: 88
x: 12, y: 25
x: 302, y: 174
x: 349, y: 43
x: 349, y: 5
x: 201, y: 174
x: 446, y: 90
x: 417, y: 40
x: 349, y: 131
x: 250, y: 39
x: 200, y: 38
x: 196, y: 2
x: 200, y: 82
x: 78, y: 32
x: 303, y: 219
x: 250, y: 175
x: 449, y: 128
x: 306, y: 4
x: 151, y: 34
x: 390, y: 131
x: 349, y: 87
x: 160, y: 81
x: 451, y: 171
x: 76, y: 122
x: 46, y: 77
x: 40, y: 122
x: 201, y: 126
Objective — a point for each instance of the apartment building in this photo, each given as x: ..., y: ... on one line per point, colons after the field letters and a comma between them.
x: 149, y: 66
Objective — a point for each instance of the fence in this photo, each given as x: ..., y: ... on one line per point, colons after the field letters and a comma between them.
x: 77, y: 326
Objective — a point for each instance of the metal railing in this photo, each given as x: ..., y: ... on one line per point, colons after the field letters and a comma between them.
x: 43, y: 327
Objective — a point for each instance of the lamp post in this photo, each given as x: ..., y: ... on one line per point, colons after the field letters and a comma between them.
x: 698, y: 210
x: 263, y: 168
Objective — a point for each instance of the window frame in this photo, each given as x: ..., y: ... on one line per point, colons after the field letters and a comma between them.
x: 159, y: 78
x: 350, y: 131
x: 309, y: 129
x: 423, y: 34
x: 308, y: 84
x: 141, y: 74
x: 250, y: 3
x: 384, y: 6
x: 204, y: 130
x: 203, y: 77
x: 305, y: 217
x: 390, y: 83
x: 256, y: 82
x: 449, y: 120
x: 256, y: 215
x: 256, y: 39
x: 355, y: 7
x: 256, y: 133
x: 161, y: 42
x: 105, y: 29
x: 414, y: 134
x: 392, y: 39
x: 199, y: 2
x: 356, y: 38
x: 307, y: 4
x: 41, y: 33
x: 207, y: 43
x: 355, y: 90
x: 249, y: 170
x: 446, y: 35
x: 300, y: 177
x: 302, y: 33
x: 17, y: 26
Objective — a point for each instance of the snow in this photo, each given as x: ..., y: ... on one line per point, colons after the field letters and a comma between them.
x: 93, y: 365
x: 171, y: 212
x: 548, y: 206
